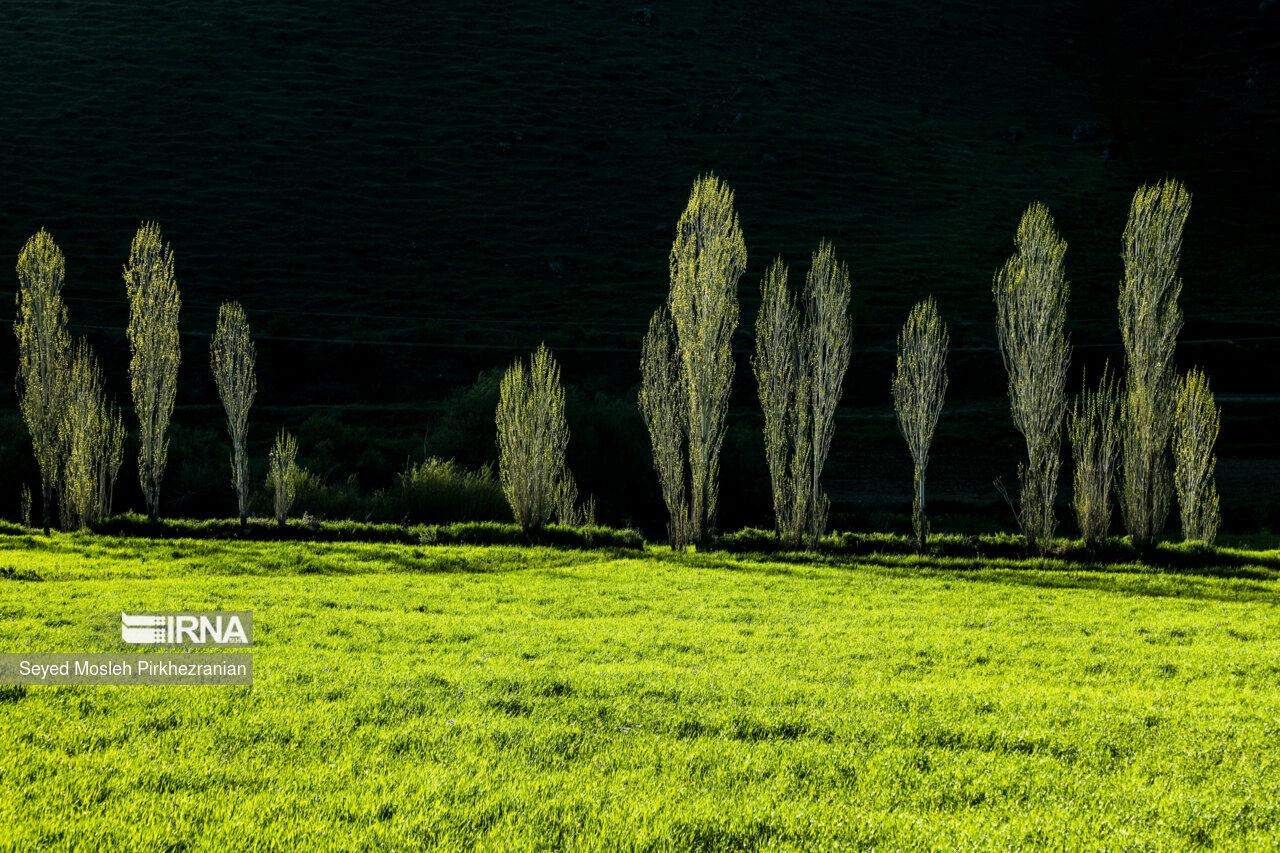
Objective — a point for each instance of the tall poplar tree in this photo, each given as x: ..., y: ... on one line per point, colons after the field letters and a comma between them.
x: 43, y: 354
x: 231, y: 355
x: 800, y: 364
x: 707, y: 258
x: 783, y: 387
x: 919, y: 386
x: 1031, y: 311
x: 153, y: 344
x: 662, y: 407
x: 825, y: 357
x: 1149, y: 324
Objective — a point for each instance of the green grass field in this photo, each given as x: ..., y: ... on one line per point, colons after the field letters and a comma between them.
x: 524, y: 698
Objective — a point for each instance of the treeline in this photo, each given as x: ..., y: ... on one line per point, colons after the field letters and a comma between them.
x: 1140, y: 437
x: 1149, y: 433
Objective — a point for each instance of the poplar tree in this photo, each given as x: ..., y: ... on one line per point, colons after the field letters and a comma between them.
x: 43, y: 353
x: 825, y: 356
x: 153, y: 344
x: 1031, y: 308
x: 231, y: 355
x: 111, y: 458
x: 1149, y: 324
x: 919, y: 386
x: 783, y: 388
x: 707, y: 258
x: 661, y: 406
x: 93, y: 437
x: 1195, y: 430
x: 532, y: 439
x: 800, y: 364
x: 1093, y: 428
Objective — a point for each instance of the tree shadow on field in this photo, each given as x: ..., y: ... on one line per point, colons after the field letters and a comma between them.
x: 1184, y: 570
x: 492, y: 559
x: 1230, y: 584
x: 1072, y: 555
x: 751, y: 563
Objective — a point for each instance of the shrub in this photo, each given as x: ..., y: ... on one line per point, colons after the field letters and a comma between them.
x: 463, y: 429
x: 557, y: 535
x: 336, y: 501
x: 336, y: 448
x: 438, y: 491
x: 568, y: 512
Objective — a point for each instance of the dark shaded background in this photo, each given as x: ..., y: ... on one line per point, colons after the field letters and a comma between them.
x: 405, y: 195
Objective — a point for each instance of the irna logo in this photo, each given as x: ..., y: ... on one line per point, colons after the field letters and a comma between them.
x: 188, y: 628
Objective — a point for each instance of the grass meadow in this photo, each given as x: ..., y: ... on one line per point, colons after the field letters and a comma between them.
x: 486, y: 698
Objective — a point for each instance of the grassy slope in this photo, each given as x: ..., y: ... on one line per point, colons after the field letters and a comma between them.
x: 415, y: 189
x: 511, y: 698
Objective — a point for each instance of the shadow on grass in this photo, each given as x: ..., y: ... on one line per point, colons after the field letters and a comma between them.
x: 1168, y: 569
x: 285, y: 557
x: 1129, y: 580
x: 1070, y: 555
x: 1176, y: 570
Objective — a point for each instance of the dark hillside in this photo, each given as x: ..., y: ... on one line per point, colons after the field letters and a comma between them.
x: 406, y: 194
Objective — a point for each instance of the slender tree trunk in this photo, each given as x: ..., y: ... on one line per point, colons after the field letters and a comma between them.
x: 241, y: 484
x: 918, y: 510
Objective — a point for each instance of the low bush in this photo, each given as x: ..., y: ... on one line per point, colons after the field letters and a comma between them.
x: 436, y: 491
x: 439, y: 491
